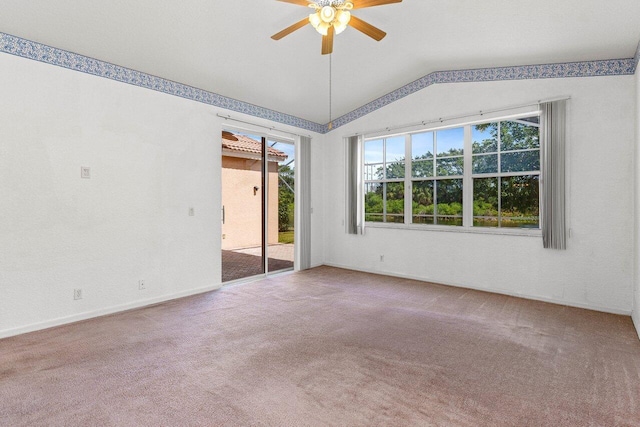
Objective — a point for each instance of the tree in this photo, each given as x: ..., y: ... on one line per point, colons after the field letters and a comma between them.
x: 449, y: 191
x: 517, y: 195
x: 441, y: 198
x: 286, y: 184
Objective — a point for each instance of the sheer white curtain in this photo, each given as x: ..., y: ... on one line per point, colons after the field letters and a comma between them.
x: 303, y: 203
x: 553, y: 202
x: 355, y: 214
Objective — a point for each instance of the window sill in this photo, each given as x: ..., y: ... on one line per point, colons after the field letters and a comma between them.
x: 456, y: 229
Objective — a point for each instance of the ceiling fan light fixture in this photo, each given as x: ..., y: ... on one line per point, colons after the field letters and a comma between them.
x: 332, y: 17
x: 343, y: 17
x: 339, y: 27
x: 323, y: 28
x: 315, y: 20
x: 328, y: 14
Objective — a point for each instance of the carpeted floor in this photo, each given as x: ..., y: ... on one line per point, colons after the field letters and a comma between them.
x: 329, y: 347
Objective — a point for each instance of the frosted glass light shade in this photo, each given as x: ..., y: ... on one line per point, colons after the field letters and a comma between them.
x: 323, y: 28
x: 315, y: 20
x: 343, y: 17
x: 339, y: 27
x: 328, y: 14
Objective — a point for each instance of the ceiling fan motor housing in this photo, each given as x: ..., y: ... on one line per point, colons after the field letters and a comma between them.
x: 331, y: 17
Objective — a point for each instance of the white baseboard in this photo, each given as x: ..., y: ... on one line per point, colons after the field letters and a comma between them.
x: 104, y: 311
x: 492, y: 290
x: 143, y: 303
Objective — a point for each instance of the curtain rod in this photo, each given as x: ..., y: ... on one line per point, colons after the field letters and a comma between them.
x: 464, y: 116
x: 227, y: 117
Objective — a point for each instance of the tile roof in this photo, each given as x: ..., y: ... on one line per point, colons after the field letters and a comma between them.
x: 248, y: 145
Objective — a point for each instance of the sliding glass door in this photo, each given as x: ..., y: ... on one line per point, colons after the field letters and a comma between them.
x: 257, y: 205
x: 281, y: 205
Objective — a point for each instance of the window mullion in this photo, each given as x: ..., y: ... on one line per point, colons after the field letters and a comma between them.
x: 499, y: 140
x: 515, y: 198
x: 384, y: 202
x: 467, y: 180
x: 499, y: 201
x: 435, y: 175
x: 408, y: 191
x: 384, y: 179
x: 499, y: 147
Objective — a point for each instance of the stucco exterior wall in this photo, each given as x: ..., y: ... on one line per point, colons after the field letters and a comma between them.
x: 242, y: 227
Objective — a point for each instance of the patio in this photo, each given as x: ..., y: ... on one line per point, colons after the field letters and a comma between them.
x: 247, y: 262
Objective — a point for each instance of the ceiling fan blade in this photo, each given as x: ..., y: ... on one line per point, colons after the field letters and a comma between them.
x: 359, y: 4
x: 368, y: 29
x: 327, y: 42
x: 291, y: 29
x: 298, y: 2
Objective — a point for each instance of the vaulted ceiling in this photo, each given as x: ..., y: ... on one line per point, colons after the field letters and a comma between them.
x: 225, y: 46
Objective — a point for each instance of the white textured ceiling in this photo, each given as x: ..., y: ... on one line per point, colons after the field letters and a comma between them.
x: 225, y: 46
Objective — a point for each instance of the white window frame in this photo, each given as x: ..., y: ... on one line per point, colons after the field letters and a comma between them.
x: 384, y: 181
x: 500, y: 174
x: 435, y: 177
x: 467, y: 180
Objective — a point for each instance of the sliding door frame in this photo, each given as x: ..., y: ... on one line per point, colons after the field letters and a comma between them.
x: 265, y: 138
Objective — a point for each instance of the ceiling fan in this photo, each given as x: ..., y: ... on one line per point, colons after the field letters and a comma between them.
x: 331, y: 17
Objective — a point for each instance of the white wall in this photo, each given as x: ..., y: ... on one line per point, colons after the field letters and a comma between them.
x: 597, y: 269
x: 317, y: 200
x: 636, y: 306
x: 152, y: 156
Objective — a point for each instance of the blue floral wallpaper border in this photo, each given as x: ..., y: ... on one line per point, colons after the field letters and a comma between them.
x: 50, y: 55
x: 614, y: 67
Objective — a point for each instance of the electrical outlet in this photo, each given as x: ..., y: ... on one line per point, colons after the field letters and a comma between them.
x: 192, y: 212
x: 77, y: 294
x: 85, y: 172
x: 141, y: 285
x: 381, y: 258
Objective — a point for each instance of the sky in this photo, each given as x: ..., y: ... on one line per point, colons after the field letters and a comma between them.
x: 421, y: 143
x: 290, y: 151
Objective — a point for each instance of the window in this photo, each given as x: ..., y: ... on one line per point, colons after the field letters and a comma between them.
x: 497, y: 162
x: 437, y: 167
x: 506, y: 169
x: 384, y: 170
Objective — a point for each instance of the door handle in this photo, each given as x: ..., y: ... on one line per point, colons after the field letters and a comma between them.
x: 223, y: 214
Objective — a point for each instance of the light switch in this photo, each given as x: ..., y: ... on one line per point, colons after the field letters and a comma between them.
x: 85, y: 172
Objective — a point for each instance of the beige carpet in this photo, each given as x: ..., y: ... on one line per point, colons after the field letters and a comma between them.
x: 329, y: 347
